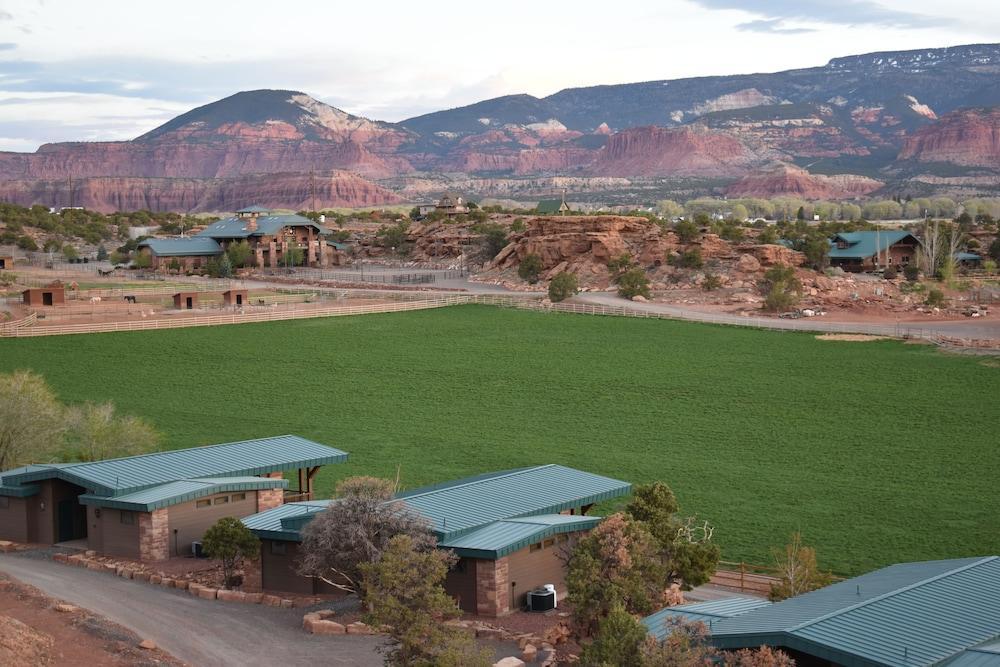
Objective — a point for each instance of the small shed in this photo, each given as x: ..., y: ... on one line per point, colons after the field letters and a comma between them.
x: 186, y: 300
x: 53, y: 295
x: 6, y: 262
x: 235, y: 297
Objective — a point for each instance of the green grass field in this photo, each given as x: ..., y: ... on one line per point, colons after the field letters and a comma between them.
x: 879, y: 452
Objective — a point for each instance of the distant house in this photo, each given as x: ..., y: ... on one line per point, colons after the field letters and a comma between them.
x: 507, y: 528
x: 866, y: 251
x: 553, y: 206
x: 944, y: 612
x: 968, y: 260
x: 451, y: 204
x: 152, y: 506
x: 270, y: 236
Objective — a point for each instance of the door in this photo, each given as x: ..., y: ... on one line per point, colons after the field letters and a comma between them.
x: 46, y: 298
x: 239, y: 299
x: 190, y: 303
x: 67, y: 519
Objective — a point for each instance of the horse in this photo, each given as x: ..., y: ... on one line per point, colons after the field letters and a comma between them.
x: 130, y: 299
x: 95, y: 300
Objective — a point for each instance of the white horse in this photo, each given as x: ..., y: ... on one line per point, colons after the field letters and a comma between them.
x: 95, y: 300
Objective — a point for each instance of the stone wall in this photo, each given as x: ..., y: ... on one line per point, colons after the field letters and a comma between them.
x: 492, y: 587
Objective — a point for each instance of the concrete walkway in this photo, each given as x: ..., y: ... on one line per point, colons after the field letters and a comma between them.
x: 201, y: 632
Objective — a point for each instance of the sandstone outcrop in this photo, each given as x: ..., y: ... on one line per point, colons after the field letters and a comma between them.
x: 280, y: 190
x: 969, y: 138
x: 687, y: 151
x: 787, y: 180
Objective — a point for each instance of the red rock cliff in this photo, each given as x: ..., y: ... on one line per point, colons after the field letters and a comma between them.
x: 657, y: 151
x: 970, y: 138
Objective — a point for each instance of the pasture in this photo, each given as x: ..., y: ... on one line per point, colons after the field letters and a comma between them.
x: 878, y: 452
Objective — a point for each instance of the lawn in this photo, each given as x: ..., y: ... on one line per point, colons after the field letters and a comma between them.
x: 879, y: 452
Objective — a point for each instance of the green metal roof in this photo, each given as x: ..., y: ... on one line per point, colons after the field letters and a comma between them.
x: 184, y: 247
x: 116, y: 477
x: 181, y: 491
x: 907, y: 615
x: 983, y: 655
x: 461, y: 506
x: 500, y: 538
x: 268, y: 225
x: 549, y: 206
x: 703, y: 612
x: 476, y: 501
x: 862, y: 245
x: 254, y: 209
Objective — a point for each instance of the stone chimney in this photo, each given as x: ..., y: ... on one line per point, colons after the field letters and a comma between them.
x: 252, y: 223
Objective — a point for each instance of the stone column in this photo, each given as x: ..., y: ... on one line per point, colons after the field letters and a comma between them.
x: 260, y: 257
x: 311, y: 257
x: 492, y: 587
x: 154, y: 535
x: 272, y: 249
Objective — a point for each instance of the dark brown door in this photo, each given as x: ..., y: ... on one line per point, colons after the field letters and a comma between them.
x: 46, y: 298
x: 190, y: 303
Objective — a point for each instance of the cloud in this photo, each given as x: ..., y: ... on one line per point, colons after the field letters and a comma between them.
x: 6, y: 16
x: 836, y: 12
x: 7, y: 46
x: 773, y: 26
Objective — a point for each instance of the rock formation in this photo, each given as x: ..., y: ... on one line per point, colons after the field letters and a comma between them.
x: 787, y: 180
x: 687, y: 151
x: 968, y: 138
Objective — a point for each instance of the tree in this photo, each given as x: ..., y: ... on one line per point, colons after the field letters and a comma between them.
x: 494, y: 240
x: 686, y: 231
x: 619, y: 265
x: 225, y: 269
x: 765, y: 656
x: 239, y: 254
x: 356, y: 529
x: 174, y: 265
x: 615, y: 564
x: 530, y: 268
x: 95, y: 432
x: 118, y: 258
x: 798, y: 569
x: 102, y: 253
x: 669, y: 209
x: 769, y: 235
x: 633, y: 283
x: 407, y: 597
x: 817, y: 251
x: 684, y: 645
x: 393, y: 236
x: 801, y: 213
x: 781, y: 288
x: 994, y: 250
x: 70, y: 253
x: 229, y: 541
x: 739, y: 212
x: 30, y: 420
x: 618, y: 641
x: 935, y: 298
x: 685, y: 549
x: 690, y: 259
x: 912, y: 272
x: 293, y: 255
x: 562, y: 286
x: 142, y: 260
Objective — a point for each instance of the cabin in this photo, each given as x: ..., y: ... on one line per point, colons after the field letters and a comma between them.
x: 509, y: 530
x: 873, y: 250
x: 553, y: 206
x: 451, y: 204
x: 270, y: 237
x: 152, y: 507
x: 6, y: 262
x: 235, y: 297
x: 909, y: 614
x: 52, y: 295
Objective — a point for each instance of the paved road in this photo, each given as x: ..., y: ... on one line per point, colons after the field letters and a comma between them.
x: 200, y: 632
x: 961, y: 329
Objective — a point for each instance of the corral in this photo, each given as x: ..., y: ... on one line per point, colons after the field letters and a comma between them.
x: 878, y: 453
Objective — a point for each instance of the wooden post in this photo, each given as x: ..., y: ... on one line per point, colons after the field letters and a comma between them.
x: 743, y: 571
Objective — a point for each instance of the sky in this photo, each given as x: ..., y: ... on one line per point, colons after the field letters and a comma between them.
x: 99, y: 70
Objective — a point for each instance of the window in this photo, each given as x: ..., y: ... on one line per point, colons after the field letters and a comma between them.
x: 237, y: 497
x: 127, y: 518
x: 537, y: 546
x: 278, y: 548
x: 222, y: 500
x: 548, y: 543
x: 203, y: 503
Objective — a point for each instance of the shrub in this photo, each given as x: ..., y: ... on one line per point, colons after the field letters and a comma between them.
x: 912, y: 272
x: 690, y: 259
x: 7, y: 278
x: 70, y: 253
x: 142, y: 260
x: 26, y: 243
x: 174, y: 265
x: 530, y: 268
x: 633, y: 283
x: 618, y: 640
x: 799, y: 571
x: 781, y: 288
x: 711, y: 282
x: 620, y: 264
x: 231, y: 542
x: 935, y: 298
x: 562, y: 287
x: 890, y: 273
x: 686, y: 231
x: 517, y: 225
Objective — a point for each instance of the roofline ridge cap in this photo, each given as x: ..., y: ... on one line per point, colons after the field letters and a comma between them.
x: 183, y: 449
x: 885, y: 596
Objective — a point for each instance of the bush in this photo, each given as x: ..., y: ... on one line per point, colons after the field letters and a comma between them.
x: 686, y: 231
x: 781, y: 288
x: 530, y: 268
x: 142, y: 260
x: 890, y: 273
x: 690, y: 259
x: 231, y: 542
x: 935, y: 298
x: 633, y: 283
x: 563, y: 286
x: 619, y: 265
x: 711, y: 282
x: 27, y: 243
x: 912, y: 272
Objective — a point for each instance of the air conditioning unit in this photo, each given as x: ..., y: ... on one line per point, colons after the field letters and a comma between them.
x: 196, y: 550
x: 542, y: 599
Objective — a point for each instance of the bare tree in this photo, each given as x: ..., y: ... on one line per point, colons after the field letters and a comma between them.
x: 796, y: 564
x: 356, y: 529
x: 955, y: 239
x: 930, y: 247
x: 31, y: 420
x: 95, y: 432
